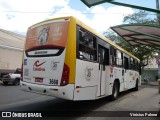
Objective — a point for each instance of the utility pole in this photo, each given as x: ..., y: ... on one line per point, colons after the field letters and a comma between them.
x: 158, y: 22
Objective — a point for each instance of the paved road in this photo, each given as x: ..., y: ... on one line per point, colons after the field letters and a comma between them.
x: 13, y: 99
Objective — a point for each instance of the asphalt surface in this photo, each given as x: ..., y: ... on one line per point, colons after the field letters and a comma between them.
x: 146, y: 99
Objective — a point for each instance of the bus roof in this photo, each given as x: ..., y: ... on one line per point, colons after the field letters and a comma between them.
x: 92, y: 31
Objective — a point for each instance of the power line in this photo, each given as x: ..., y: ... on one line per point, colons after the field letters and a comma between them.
x: 25, y: 12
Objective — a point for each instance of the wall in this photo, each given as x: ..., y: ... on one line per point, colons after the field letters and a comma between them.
x: 152, y: 74
x: 10, y: 59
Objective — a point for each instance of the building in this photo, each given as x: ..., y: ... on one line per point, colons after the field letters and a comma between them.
x: 11, y: 48
x: 151, y: 70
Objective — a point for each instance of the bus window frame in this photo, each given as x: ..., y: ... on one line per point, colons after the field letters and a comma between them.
x: 114, y: 58
x: 119, y: 58
x: 93, y: 49
x: 126, y: 63
x: 112, y: 51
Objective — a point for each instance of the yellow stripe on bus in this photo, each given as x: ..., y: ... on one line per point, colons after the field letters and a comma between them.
x: 70, y: 58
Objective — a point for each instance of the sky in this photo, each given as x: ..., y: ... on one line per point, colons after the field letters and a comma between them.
x: 18, y: 15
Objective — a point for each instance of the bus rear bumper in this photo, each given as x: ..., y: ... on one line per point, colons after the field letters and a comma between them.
x: 64, y: 92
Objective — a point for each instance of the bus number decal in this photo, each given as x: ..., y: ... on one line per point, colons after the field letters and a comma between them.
x: 53, y: 81
x: 54, y: 64
x: 88, y: 73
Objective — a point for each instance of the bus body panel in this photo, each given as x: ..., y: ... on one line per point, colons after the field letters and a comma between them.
x: 132, y: 76
x: 86, y: 73
x: 65, y: 92
x: 45, y: 52
x: 47, y: 71
x: 86, y: 80
x: 43, y: 74
x: 86, y: 93
x: 109, y: 80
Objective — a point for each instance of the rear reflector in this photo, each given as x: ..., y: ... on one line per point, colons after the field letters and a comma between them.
x: 65, y: 75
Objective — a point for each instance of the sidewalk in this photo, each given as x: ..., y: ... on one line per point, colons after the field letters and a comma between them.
x: 147, y: 100
x: 155, y: 83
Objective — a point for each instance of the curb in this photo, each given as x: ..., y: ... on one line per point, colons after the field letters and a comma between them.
x: 150, y: 84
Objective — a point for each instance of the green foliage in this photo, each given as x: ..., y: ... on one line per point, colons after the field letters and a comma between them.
x: 144, y: 53
x: 140, y: 17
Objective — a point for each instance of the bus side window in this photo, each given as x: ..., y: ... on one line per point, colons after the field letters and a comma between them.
x: 134, y: 64
x: 87, y: 46
x: 131, y: 63
x: 106, y: 56
x: 126, y: 63
x: 80, y: 35
x: 112, y: 55
x: 139, y: 68
x: 119, y: 58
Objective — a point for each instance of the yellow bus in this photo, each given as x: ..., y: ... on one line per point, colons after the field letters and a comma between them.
x: 66, y: 59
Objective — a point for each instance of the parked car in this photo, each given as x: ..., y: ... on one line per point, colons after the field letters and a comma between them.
x: 13, y: 78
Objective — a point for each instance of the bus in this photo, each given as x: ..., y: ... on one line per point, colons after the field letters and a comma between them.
x: 66, y: 59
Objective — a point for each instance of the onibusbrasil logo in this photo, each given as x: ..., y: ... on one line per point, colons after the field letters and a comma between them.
x: 20, y: 114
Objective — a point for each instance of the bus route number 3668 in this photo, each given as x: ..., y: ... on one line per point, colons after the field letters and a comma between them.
x: 53, y: 81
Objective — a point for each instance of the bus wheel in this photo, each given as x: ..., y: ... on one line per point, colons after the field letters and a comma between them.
x: 115, y: 91
x: 136, y: 86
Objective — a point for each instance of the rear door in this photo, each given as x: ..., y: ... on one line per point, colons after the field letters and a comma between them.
x: 102, y: 57
x: 126, y: 72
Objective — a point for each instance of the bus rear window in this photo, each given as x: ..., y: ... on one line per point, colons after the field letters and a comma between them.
x: 47, y: 39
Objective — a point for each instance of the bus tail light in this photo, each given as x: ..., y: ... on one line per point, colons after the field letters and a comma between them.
x: 22, y: 73
x: 65, y: 75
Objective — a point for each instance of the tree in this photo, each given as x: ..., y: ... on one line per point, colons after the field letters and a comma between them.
x: 141, y: 17
x: 144, y: 53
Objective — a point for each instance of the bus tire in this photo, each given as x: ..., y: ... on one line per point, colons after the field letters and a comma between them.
x: 115, y: 91
x: 136, y: 86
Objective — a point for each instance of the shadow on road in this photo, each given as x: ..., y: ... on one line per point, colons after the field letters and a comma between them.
x: 9, y: 84
x: 58, y: 107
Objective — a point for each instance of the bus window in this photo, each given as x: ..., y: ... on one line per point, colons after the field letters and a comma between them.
x: 87, y: 46
x: 136, y: 65
x: 126, y: 63
x: 119, y: 58
x: 112, y: 55
x: 103, y: 56
x: 139, y: 68
x: 106, y: 56
x: 131, y: 63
